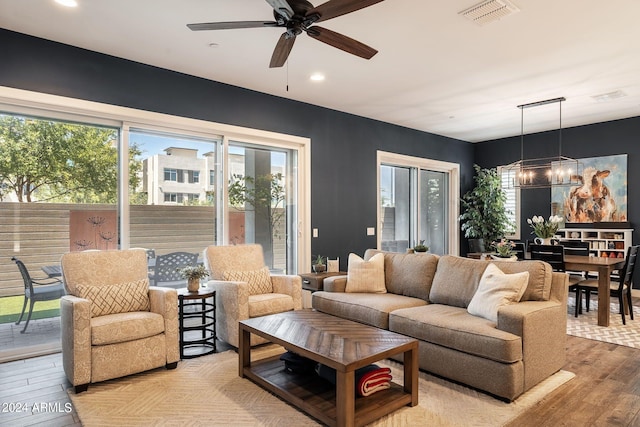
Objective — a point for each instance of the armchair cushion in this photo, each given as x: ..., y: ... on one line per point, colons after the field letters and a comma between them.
x: 259, y: 281
x: 112, y: 299
x: 123, y: 327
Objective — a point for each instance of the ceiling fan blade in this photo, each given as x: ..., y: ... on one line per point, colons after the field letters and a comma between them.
x: 282, y: 8
x: 335, y: 8
x: 342, y: 42
x: 231, y: 25
x: 282, y: 50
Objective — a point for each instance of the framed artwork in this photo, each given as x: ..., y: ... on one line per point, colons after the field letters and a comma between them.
x: 598, y: 192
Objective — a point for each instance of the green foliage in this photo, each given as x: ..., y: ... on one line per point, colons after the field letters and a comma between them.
x: 46, y: 160
x: 484, y: 213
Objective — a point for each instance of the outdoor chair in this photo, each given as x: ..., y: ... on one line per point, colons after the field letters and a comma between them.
x: 246, y: 289
x: 621, y: 289
x: 165, y: 271
x: 113, y: 323
x: 45, y: 289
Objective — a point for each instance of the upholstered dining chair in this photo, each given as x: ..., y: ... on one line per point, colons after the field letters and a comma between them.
x: 113, y: 323
x: 245, y: 288
x: 621, y: 289
x: 46, y: 289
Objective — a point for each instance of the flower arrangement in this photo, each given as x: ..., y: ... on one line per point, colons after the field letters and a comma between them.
x: 192, y: 272
x: 545, y: 229
x: 504, y: 248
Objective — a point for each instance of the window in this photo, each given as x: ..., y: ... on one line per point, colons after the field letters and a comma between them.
x: 195, y: 177
x: 418, y: 201
x: 513, y: 200
x: 171, y: 197
x: 170, y: 175
x: 212, y: 177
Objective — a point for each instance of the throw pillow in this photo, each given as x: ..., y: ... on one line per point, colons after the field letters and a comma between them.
x: 120, y: 298
x: 496, y: 289
x: 259, y: 281
x: 366, y: 276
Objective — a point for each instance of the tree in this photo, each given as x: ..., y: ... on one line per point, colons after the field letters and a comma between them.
x: 46, y: 160
x: 485, y: 215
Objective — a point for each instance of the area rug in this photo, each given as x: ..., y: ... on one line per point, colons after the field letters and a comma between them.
x: 586, y: 325
x: 208, y: 391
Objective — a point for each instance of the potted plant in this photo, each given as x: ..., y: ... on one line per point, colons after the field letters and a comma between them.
x: 484, y: 214
x: 193, y: 274
x: 544, y: 230
x: 504, y: 250
x: 318, y: 264
x: 421, y: 247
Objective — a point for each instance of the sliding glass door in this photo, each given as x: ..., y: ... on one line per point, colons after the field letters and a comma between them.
x: 417, y: 204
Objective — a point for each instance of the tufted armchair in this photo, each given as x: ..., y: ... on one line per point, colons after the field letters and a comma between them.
x: 113, y: 323
x: 245, y: 288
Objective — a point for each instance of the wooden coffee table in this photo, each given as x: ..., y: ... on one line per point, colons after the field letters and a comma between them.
x: 340, y: 344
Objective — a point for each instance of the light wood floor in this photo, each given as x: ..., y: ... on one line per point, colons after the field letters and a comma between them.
x: 605, y: 391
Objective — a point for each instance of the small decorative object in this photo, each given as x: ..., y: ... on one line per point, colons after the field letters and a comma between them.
x: 333, y: 265
x: 318, y: 264
x: 545, y: 229
x: 421, y: 247
x: 193, y: 274
x: 505, y: 250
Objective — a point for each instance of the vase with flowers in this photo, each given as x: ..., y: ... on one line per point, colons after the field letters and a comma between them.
x: 544, y: 229
x: 505, y: 250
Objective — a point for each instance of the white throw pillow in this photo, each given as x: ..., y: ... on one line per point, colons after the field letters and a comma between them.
x: 496, y: 289
x: 366, y: 276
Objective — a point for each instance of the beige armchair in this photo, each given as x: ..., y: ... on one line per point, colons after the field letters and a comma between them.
x: 113, y: 323
x: 245, y: 289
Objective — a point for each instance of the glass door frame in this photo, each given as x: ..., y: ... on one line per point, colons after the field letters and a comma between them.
x: 416, y: 164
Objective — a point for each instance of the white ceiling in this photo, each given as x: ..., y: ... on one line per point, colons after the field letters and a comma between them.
x: 435, y: 71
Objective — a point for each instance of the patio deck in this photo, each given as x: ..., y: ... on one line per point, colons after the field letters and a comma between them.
x: 42, y: 337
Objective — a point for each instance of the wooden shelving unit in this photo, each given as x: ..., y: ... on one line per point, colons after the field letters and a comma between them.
x: 603, y: 242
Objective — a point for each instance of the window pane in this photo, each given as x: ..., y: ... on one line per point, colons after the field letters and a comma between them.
x: 58, y: 192
x: 508, y: 177
x: 434, y: 188
x: 170, y: 210
x: 395, y: 209
x: 261, y: 203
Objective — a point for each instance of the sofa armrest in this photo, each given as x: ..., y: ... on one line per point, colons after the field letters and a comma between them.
x: 335, y: 283
x: 289, y: 285
x: 164, y: 301
x: 75, y: 323
x: 542, y: 326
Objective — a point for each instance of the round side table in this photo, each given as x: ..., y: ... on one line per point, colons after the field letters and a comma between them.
x: 197, y: 322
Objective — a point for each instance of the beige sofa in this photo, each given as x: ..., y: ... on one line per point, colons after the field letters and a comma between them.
x: 427, y: 298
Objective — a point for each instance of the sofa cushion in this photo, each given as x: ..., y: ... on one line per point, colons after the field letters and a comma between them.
x: 123, y: 327
x: 259, y: 280
x: 370, y: 308
x: 366, y: 276
x: 455, y: 328
x: 261, y: 305
x: 540, y: 274
x: 496, y: 289
x: 407, y: 274
x: 112, y: 299
x: 456, y: 280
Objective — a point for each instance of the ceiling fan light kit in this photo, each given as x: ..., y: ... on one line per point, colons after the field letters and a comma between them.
x: 298, y: 16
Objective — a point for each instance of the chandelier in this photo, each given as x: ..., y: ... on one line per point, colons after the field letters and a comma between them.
x: 547, y: 172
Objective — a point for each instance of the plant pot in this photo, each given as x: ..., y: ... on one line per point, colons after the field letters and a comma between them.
x: 476, y: 246
x: 542, y: 241
x: 499, y: 258
x: 319, y: 268
x: 193, y: 285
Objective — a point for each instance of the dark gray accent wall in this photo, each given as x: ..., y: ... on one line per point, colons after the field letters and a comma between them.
x: 600, y: 139
x: 343, y: 155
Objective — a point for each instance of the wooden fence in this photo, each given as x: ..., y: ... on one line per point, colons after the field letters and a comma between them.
x: 38, y: 234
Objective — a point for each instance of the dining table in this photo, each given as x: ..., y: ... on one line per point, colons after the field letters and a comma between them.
x: 604, y: 266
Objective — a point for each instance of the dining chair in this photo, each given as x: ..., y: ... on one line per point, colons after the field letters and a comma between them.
x: 165, y: 270
x: 554, y: 255
x: 519, y: 250
x: 45, y: 289
x: 621, y: 289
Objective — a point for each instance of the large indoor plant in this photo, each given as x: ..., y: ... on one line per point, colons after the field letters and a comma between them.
x: 484, y: 214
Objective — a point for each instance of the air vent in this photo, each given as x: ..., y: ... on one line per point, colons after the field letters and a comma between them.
x: 489, y: 11
x: 609, y: 96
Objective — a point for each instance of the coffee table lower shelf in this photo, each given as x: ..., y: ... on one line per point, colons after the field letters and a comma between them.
x: 317, y: 397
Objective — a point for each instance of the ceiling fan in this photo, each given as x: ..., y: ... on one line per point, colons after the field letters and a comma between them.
x: 297, y: 16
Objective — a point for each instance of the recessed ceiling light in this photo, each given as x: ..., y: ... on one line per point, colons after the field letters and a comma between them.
x: 214, y: 45
x: 609, y: 96
x: 317, y: 77
x: 67, y: 3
